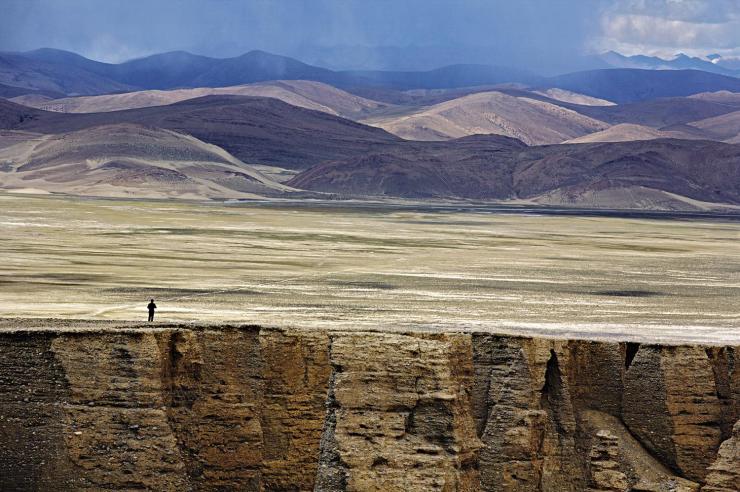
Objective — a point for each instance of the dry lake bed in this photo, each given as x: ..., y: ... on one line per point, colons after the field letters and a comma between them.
x: 386, y: 267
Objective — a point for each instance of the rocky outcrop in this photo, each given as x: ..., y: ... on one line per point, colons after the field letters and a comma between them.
x: 724, y: 473
x: 605, y: 464
x: 249, y: 408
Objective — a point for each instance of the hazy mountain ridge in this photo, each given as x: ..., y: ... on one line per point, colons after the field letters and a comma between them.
x: 679, y: 62
x: 69, y: 73
x: 41, y: 75
x: 181, y: 69
x: 624, y: 85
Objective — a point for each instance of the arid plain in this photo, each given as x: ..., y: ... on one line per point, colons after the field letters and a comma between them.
x: 371, y: 266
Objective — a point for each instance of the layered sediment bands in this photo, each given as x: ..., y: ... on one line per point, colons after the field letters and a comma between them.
x: 400, y: 413
x: 249, y: 408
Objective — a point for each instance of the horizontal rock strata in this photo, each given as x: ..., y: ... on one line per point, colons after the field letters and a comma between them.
x: 248, y: 408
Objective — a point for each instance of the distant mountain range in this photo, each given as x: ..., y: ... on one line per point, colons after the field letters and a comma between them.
x: 69, y: 73
x: 49, y: 71
x: 420, y: 58
x: 717, y: 64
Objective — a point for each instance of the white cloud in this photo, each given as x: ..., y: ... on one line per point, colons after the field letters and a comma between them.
x: 666, y: 27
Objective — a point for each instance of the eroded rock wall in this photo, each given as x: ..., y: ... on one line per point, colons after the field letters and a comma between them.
x: 245, y: 408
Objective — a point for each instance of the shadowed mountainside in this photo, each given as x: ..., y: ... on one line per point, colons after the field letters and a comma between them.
x: 67, y: 74
x: 622, y: 85
x: 659, y: 113
x: 255, y: 130
x: 9, y: 92
x: 491, y: 167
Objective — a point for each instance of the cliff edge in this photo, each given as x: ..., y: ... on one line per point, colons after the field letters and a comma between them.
x: 185, y: 407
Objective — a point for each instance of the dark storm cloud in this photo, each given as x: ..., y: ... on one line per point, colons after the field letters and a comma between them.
x: 118, y: 29
x: 538, y: 34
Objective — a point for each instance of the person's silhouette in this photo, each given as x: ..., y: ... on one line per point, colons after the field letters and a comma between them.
x: 151, y: 307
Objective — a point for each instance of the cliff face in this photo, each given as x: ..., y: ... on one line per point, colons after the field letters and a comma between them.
x: 245, y: 408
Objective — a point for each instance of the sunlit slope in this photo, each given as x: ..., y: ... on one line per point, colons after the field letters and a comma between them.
x: 302, y: 93
x: 725, y: 127
x: 574, y: 97
x: 529, y: 120
x: 128, y: 160
x: 626, y: 132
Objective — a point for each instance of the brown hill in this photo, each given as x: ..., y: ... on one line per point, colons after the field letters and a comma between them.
x: 626, y: 132
x: 574, y: 97
x: 132, y: 161
x: 725, y: 97
x: 491, y: 168
x: 725, y: 127
x: 254, y: 130
x: 302, y: 93
x: 532, y: 121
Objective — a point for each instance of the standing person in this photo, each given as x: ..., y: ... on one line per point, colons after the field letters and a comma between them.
x: 151, y: 307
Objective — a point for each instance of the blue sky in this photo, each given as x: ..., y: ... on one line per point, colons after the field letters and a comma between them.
x: 516, y: 32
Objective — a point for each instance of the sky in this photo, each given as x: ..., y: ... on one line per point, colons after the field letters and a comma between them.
x: 526, y: 33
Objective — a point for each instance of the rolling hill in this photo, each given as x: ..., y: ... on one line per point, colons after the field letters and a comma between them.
x: 132, y: 161
x: 302, y: 93
x: 725, y: 127
x: 563, y: 95
x: 533, y: 121
x: 628, y: 132
x: 254, y: 130
x: 722, y: 97
x: 644, y: 174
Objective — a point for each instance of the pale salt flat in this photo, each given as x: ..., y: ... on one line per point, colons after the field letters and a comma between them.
x: 356, y: 267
